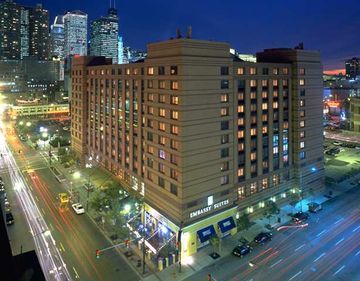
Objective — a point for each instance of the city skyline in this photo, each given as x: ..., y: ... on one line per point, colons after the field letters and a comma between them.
x: 317, y: 32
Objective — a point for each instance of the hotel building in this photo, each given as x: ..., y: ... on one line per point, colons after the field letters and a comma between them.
x: 201, y: 134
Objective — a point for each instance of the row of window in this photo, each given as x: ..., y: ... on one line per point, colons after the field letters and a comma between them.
x: 174, y: 85
x: 264, y: 71
x: 173, y: 70
x: 163, y: 98
x: 174, y: 114
x: 258, y: 186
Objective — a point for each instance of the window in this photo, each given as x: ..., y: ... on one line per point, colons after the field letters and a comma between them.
x: 224, y: 125
x: 161, y: 84
x: 285, y: 70
x: 275, y: 83
x: 275, y: 180
x: 174, y: 144
x: 302, y: 155
x: 150, y: 162
x: 264, y: 129
x: 302, y: 113
x: 302, y: 71
x: 150, y: 84
x: 210, y: 200
x: 253, y: 131
x: 264, y: 94
x: 224, y: 139
x: 253, y: 95
x: 241, y: 192
x: 224, y: 180
x: 162, y: 112
x: 150, y: 136
x: 264, y: 183
x: 150, y: 71
x: 285, y: 82
x: 162, y: 154
x: 276, y: 93
x: 151, y: 149
x: 161, y: 70
x: 240, y: 134
x: 224, y: 111
x: 264, y: 117
x: 224, y: 152
x: 162, y: 126
x: 275, y: 71
x: 302, y: 102
x: 162, y: 140
x: 253, y: 156
x: 252, y: 83
x: 240, y: 172
x: 174, y: 100
x: 173, y: 159
x: 162, y: 98
x: 253, y: 188
x: 240, y: 109
x: 174, y: 114
x: 127, y: 71
x: 224, y: 70
x: 150, y: 123
x: 173, y: 70
x: 174, y: 129
x: 161, y: 168
x: 224, y: 84
x: 302, y: 134
x: 240, y: 96
x: 302, y: 82
x: 302, y: 144
x: 275, y: 104
x: 224, y: 166
x: 174, y: 174
x: 240, y: 71
x: 150, y: 97
x: 252, y: 70
x: 265, y: 71
x: 302, y: 124
x: 224, y: 98
x: 253, y: 119
x: 241, y: 146
x: 174, y: 85
x: 173, y: 189
x: 264, y: 83
x: 264, y: 106
x: 241, y: 122
x: 150, y: 110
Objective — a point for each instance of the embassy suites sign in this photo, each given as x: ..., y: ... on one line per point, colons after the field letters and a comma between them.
x: 209, y: 208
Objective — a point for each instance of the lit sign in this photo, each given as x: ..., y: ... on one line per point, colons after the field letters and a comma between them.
x: 209, y: 208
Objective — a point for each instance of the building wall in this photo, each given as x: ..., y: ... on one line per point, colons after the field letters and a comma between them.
x: 355, y: 114
x: 75, y: 28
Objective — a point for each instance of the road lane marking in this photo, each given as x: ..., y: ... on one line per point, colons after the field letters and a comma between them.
x: 319, y: 257
x: 43, y: 211
x: 298, y: 248
x: 322, y: 232
x: 76, y: 274
x: 356, y: 228
x: 338, y: 242
x: 37, y: 199
x: 297, y: 274
x: 357, y: 253
x: 337, y: 271
x: 62, y: 247
x: 276, y: 263
x: 339, y: 220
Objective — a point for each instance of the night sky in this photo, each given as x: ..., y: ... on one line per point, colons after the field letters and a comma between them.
x: 331, y: 26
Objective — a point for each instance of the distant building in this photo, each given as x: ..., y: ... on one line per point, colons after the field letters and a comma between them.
x: 57, y: 38
x: 75, y: 29
x: 355, y: 114
x: 120, y: 50
x: 352, y: 67
x: 24, y: 32
x: 104, y: 36
x: 132, y: 55
x: 39, y: 32
x: 10, y: 26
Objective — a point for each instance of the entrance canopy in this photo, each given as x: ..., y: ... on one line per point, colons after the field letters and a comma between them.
x: 226, y: 224
x: 205, y: 233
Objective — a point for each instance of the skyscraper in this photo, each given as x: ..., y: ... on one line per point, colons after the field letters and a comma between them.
x: 352, y: 67
x: 75, y: 27
x: 57, y: 38
x: 104, y: 36
x: 39, y: 32
x: 10, y: 39
x: 24, y: 32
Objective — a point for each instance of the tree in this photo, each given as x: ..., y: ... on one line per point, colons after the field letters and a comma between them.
x: 271, y: 209
x: 243, y: 222
x: 97, y: 200
x: 295, y: 198
x: 214, y: 241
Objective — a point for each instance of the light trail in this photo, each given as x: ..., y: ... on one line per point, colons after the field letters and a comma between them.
x: 51, y: 261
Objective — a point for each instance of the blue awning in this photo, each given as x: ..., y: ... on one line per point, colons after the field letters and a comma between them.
x: 226, y: 224
x: 205, y: 233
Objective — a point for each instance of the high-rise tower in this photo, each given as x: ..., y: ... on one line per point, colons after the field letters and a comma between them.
x: 75, y: 27
x: 57, y: 37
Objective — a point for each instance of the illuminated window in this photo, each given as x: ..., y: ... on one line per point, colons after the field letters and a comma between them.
x: 240, y: 109
x: 286, y: 125
x: 253, y: 119
x: 302, y: 103
x: 264, y: 94
x: 174, y: 85
x: 302, y: 144
x: 224, y: 139
x: 241, y: 146
x: 241, y: 192
x: 240, y: 71
x: 161, y: 84
x: 224, y: 180
x: 264, y: 83
x: 265, y: 164
x: 275, y: 71
x: 151, y: 110
x: 252, y: 70
x: 240, y: 134
x: 127, y: 71
x: 275, y: 179
x: 224, y: 166
x: 302, y: 71
x: 224, y: 98
x: 264, y: 183
x: 253, y: 156
x: 302, y: 134
x: 264, y: 129
x: 240, y: 172
x: 240, y: 96
x: 174, y: 144
x: 285, y: 82
x: 240, y: 122
x: 302, y: 155
x: 264, y: 106
x: 162, y: 140
x: 150, y: 97
x: 302, y: 113
x: 162, y: 112
x: 174, y: 129
x: 253, y: 168
x: 174, y: 100
x: 302, y: 82
x: 275, y: 83
x: 285, y: 71
x: 253, y: 131
x: 162, y: 98
x: 253, y: 188
x: 302, y: 124
x: 173, y: 70
x: 174, y: 114
x: 275, y: 93
x: 151, y: 149
x: 162, y: 126
x: 162, y: 154
x: 174, y: 174
x: 275, y: 104
x: 252, y: 83
x: 150, y: 71
x: 224, y: 111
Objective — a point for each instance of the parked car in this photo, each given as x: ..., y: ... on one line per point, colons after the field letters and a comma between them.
x: 7, y: 207
x: 314, y: 207
x: 78, y: 208
x: 299, y: 217
x: 2, y: 187
x: 263, y: 237
x: 9, y: 218
x: 241, y: 250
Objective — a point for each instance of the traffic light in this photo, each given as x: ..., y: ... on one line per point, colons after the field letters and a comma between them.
x: 97, y: 252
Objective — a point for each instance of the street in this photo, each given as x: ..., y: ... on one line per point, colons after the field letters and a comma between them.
x: 327, y: 249
x: 76, y: 236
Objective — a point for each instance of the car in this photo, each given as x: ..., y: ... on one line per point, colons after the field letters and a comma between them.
x: 78, y: 208
x: 263, y: 237
x: 65, y: 128
x: 314, y: 207
x: 9, y: 218
x: 2, y: 187
x: 299, y: 217
x: 337, y: 143
x: 7, y: 207
x: 241, y: 250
